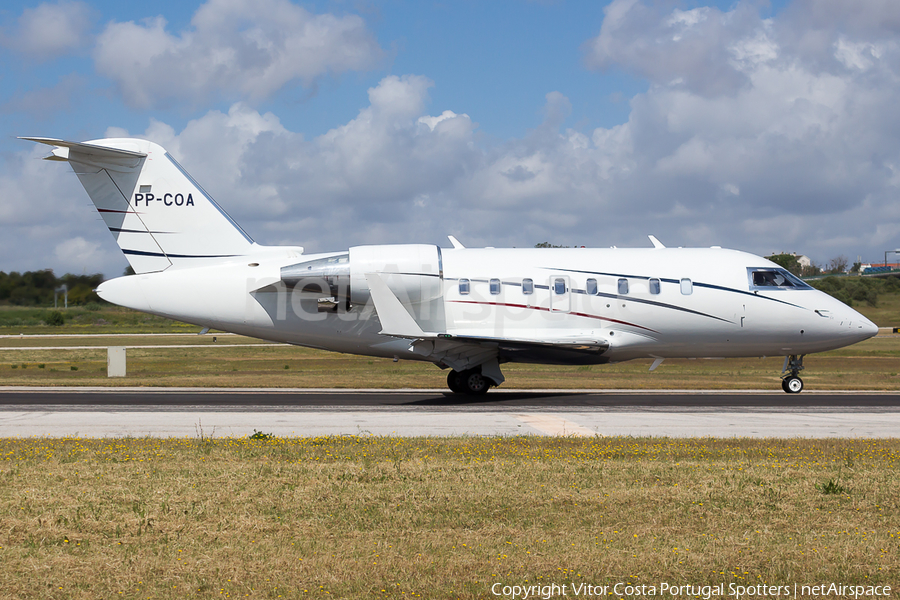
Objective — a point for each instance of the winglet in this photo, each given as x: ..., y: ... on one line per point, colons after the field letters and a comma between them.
x: 656, y: 243
x: 455, y: 243
x: 395, y: 320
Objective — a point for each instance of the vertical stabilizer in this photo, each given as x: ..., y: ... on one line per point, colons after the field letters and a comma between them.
x: 159, y: 215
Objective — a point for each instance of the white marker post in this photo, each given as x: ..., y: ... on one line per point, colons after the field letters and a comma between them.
x: 115, y: 361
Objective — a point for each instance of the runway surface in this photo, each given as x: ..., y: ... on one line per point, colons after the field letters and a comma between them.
x: 111, y: 412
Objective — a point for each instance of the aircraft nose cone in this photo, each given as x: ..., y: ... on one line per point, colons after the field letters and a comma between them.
x: 861, y: 328
x: 868, y: 329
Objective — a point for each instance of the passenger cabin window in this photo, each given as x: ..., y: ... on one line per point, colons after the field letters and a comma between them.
x: 495, y: 286
x: 527, y: 286
x: 591, y: 287
x: 463, y: 286
x: 687, y: 288
x: 654, y: 286
x: 623, y: 287
x: 769, y: 279
x: 559, y: 286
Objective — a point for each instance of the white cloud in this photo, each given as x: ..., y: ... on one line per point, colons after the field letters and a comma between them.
x: 797, y: 150
x: 859, y: 56
x: 689, y: 48
x: 77, y: 255
x: 42, y: 208
x: 52, y: 29
x: 368, y: 180
x: 768, y: 130
x: 246, y: 49
x: 432, y: 122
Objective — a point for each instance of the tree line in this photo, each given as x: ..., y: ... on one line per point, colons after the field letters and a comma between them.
x: 835, y: 266
x: 36, y: 288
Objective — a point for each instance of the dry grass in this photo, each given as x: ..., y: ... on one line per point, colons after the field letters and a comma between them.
x: 366, y: 517
x: 871, y: 365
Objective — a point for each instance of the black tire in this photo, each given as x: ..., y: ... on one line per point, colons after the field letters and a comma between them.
x: 792, y: 384
x: 455, y: 382
x: 476, y: 383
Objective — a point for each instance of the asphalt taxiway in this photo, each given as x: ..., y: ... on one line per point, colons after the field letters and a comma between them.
x: 189, y: 412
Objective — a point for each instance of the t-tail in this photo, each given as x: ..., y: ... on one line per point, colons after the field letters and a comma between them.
x: 159, y: 215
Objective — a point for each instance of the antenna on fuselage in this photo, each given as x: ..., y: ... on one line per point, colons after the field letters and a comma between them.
x: 455, y: 242
x: 656, y: 243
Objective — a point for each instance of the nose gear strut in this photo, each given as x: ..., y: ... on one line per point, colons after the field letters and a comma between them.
x: 790, y: 382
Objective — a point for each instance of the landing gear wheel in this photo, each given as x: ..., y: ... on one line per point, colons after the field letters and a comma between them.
x: 455, y: 382
x: 476, y: 384
x: 792, y: 384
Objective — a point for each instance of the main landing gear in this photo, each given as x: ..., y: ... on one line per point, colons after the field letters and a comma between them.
x: 790, y: 382
x: 470, y: 382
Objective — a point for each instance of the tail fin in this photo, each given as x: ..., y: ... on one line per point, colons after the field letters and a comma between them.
x: 158, y: 214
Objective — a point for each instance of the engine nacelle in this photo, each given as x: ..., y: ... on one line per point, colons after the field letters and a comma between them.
x: 412, y: 271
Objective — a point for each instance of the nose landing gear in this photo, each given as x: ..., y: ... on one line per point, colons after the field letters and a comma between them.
x: 790, y: 382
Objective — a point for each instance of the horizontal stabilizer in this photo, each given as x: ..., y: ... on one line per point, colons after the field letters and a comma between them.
x: 87, y: 149
x: 91, y: 155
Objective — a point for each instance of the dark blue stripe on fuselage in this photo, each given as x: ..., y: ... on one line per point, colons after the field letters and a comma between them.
x: 677, y: 282
x: 161, y: 255
x: 119, y: 230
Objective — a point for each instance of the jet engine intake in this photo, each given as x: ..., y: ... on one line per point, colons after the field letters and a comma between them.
x: 326, y: 277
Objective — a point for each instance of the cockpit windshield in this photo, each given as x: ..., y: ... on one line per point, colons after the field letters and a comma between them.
x: 775, y: 279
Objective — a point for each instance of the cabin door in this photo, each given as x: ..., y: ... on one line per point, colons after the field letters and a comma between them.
x: 559, y: 293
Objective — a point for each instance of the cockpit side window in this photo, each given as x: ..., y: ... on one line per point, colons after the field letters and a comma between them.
x: 774, y: 279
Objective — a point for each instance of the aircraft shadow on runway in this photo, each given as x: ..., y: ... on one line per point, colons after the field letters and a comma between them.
x: 451, y: 399
x: 663, y: 402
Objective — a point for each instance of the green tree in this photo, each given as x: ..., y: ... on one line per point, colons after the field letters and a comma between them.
x: 54, y: 318
x: 36, y: 288
x: 810, y: 270
x: 858, y: 290
x: 787, y: 261
x: 838, y: 265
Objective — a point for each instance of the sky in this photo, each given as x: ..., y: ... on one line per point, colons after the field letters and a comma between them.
x: 762, y: 126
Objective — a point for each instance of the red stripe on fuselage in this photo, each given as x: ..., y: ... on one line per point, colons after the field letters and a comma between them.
x: 577, y: 314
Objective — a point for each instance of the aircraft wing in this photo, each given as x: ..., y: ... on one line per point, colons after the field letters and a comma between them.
x: 461, y: 352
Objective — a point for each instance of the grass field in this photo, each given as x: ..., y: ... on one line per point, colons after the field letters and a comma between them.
x: 872, y: 365
x: 374, y: 517
x: 383, y: 517
x: 93, y: 318
x: 229, y: 361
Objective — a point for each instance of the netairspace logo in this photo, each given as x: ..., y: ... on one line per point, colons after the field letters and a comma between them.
x: 706, y: 592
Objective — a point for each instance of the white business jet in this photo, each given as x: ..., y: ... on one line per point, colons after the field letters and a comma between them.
x: 469, y: 310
